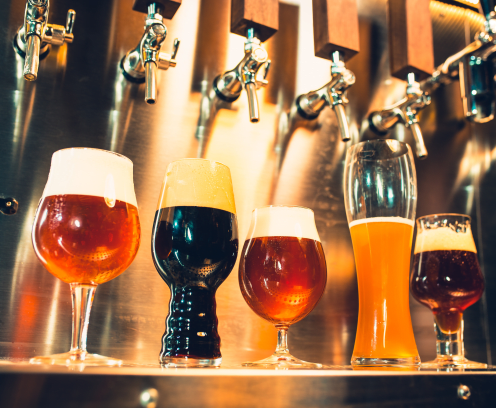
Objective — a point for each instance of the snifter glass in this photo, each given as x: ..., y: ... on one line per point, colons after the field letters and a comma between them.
x: 282, y: 274
x: 86, y: 232
x: 446, y: 277
x: 380, y: 192
x: 194, y: 248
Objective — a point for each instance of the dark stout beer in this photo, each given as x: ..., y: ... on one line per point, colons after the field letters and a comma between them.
x: 447, y: 281
x: 282, y: 278
x: 83, y: 239
x: 194, y: 250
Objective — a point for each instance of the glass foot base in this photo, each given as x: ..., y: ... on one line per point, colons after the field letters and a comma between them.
x: 185, y: 362
x: 452, y: 362
x: 385, y: 362
x: 282, y: 362
x: 76, y: 358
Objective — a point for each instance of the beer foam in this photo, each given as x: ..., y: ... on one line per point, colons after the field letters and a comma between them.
x: 399, y: 220
x: 444, y: 239
x: 91, y: 172
x: 198, y: 183
x: 281, y: 221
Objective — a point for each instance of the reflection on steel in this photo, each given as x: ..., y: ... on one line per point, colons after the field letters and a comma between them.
x: 34, y: 37
x: 92, y: 105
x: 405, y: 112
x: 141, y: 63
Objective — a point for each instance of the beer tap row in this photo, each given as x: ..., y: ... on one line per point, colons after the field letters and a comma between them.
x: 336, y: 38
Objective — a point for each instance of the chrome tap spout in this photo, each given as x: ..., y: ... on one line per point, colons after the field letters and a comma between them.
x: 140, y: 64
x: 405, y: 112
x: 230, y: 84
x: 34, y: 37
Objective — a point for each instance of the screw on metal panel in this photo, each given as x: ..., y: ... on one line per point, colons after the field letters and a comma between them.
x: 149, y: 398
x: 464, y: 392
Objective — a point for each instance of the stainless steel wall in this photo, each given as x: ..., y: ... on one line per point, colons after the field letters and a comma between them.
x: 81, y: 99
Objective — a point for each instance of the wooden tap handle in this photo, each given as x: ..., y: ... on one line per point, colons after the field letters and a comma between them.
x: 262, y: 15
x: 335, y: 28
x: 410, y: 38
x: 168, y: 7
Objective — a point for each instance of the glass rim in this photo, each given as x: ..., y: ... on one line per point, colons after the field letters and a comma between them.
x: 282, y: 206
x: 445, y: 215
x: 199, y: 159
x: 94, y: 148
x: 377, y: 141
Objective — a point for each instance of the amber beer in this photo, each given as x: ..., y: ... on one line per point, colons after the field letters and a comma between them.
x: 84, y: 238
x: 382, y: 247
x: 282, y: 278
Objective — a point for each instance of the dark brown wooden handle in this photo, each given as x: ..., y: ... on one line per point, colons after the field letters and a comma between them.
x: 335, y: 28
x: 167, y: 7
x: 410, y: 38
x: 262, y: 15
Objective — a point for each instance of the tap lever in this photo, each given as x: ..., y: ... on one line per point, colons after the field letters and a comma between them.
x: 69, y: 23
x: 175, y: 48
x: 261, y: 15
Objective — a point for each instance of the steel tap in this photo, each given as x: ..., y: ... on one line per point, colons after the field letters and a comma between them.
x: 141, y: 63
x: 405, y: 112
x: 229, y: 85
x: 33, y: 39
x: 331, y: 94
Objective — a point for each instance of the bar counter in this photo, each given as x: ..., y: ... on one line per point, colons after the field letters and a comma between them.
x: 25, y: 385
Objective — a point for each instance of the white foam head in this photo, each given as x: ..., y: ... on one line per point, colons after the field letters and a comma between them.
x: 91, y: 172
x: 399, y: 220
x: 281, y: 221
x: 198, y: 183
x: 444, y: 239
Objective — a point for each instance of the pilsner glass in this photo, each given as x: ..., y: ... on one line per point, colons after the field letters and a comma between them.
x: 86, y: 231
x: 380, y: 191
x: 194, y: 248
x: 282, y: 274
x: 446, y: 277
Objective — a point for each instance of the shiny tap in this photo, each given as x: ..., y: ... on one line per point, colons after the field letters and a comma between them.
x: 34, y: 37
x: 141, y: 63
x: 229, y: 85
x: 405, y: 112
x: 331, y: 94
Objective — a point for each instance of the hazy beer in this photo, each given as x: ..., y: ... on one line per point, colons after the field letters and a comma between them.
x: 382, y: 248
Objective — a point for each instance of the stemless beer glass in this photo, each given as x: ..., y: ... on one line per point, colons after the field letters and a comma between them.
x: 380, y: 192
x: 282, y: 274
x: 446, y: 277
x: 194, y: 248
x: 86, y: 231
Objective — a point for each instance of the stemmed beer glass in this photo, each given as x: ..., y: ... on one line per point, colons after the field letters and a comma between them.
x: 380, y: 191
x: 194, y: 248
x: 446, y: 277
x: 282, y: 274
x: 86, y: 231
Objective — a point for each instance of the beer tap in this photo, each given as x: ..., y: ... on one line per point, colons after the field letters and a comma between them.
x: 411, y: 55
x: 332, y: 94
x: 338, y: 45
x: 140, y: 64
x: 473, y: 67
x: 404, y: 112
x: 245, y: 75
x: 33, y: 39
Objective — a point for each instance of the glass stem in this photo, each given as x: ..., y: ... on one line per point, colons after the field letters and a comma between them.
x: 82, y: 299
x: 282, y: 340
x: 449, y: 346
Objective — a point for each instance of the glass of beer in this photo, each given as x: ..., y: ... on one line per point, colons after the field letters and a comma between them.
x: 380, y: 191
x: 194, y: 248
x: 282, y: 274
x: 446, y: 277
x: 86, y: 231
